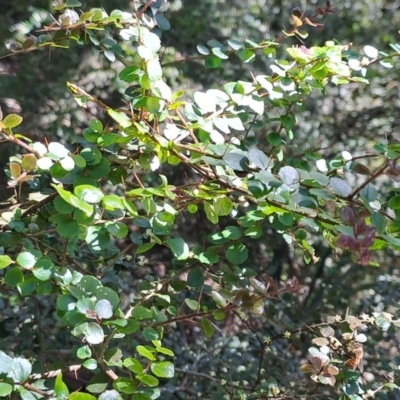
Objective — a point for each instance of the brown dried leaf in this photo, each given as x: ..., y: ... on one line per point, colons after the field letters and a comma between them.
x: 302, y: 34
x: 361, y: 169
x: 286, y: 33
x: 320, y: 341
x: 327, y: 331
x: 354, y: 323
x: 317, y: 362
x: 296, y: 21
x: 258, y: 285
x: 331, y: 369
x: 308, y: 369
x: 327, y: 379
x: 15, y: 169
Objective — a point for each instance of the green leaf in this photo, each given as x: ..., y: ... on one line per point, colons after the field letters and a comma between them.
x: 88, y: 193
x: 378, y: 221
x: 27, y: 259
x: 132, y: 326
x: 211, y: 214
x: 79, y: 161
x: 219, y: 300
x: 81, y: 396
x: 162, y: 22
x: 163, y: 369
x: 219, y: 315
x: 165, y: 351
x: 28, y: 286
x: 91, y: 364
x: 60, y: 388
x: 254, y: 232
x: 97, y: 238
x: 25, y: 394
x: 340, y: 187
x: 394, y: 202
x: 203, y: 50
x: 205, y: 102
x: 192, y: 304
x: 74, y: 201
x: 258, y: 158
x: 117, y: 229
x: 65, y: 302
x: 91, y: 155
x: 121, y: 118
x: 62, y: 206
x: 192, y: 208
x: 12, y: 120
x: 143, y: 248
x: 94, y: 333
x: 141, y: 312
x: 208, y: 257
x: 195, y: 277
x: 125, y: 385
x: 231, y: 233
x: 5, y: 261
x: 99, y: 170
x: 151, y: 41
x: 274, y: 139
x: 73, y: 3
x: 237, y: 160
x: 43, y: 269
x: 13, y: 277
x: 73, y: 318
x: 104, y: 309
x: 83, y: 352
x: 145, y: 352
x: 207, y: 327
x: 150, y: 334
x: 237, y: 253
x: 112, y: 202
x: 90, y: 284
x: 5, y: 389
x: 213, y: 62
x: 148, y: 380
x: 5, y: 363
x: 20, y: 369
x: 68, y: 228
x: 133, y: 365
x: 179, y: 248
x: 153, y: 104
x: 58, y: 150
x: 153, y: 69
x: 246, y: 55
x: 108, y: 294
x: 113, y: 356
x: 222, y: 205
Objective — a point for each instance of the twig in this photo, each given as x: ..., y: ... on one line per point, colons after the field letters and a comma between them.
x: 116, y: 258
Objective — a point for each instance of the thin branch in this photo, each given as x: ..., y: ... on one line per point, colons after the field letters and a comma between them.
x: 116, y: 258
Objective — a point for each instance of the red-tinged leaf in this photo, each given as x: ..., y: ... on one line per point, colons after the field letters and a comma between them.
x: 347, y: 242
x: 310, y: 22
x: 348, y: 216
x: 360, y: 227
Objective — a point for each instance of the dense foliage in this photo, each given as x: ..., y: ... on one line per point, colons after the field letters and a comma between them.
x: 181, y: 244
